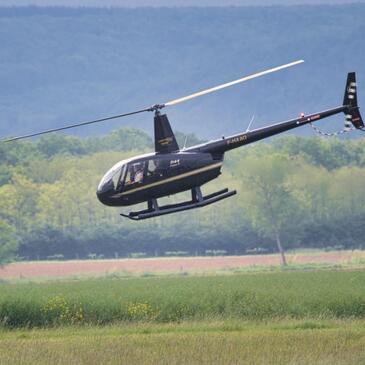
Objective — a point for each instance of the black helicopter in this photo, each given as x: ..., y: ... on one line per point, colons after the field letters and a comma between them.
x: 170, y: 170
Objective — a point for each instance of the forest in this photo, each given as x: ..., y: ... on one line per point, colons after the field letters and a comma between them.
x: 308, y: 192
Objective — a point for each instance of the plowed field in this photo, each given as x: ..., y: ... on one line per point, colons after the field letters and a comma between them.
x: 29, y: 270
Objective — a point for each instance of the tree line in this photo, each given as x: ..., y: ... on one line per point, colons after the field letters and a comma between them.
x: 292, y: 193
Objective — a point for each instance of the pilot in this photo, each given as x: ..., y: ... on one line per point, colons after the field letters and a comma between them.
x: 138, y: 177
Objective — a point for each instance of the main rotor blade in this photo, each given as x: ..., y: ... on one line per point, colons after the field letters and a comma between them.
x: 156, y: 107
x: 75, y: 125
x: 243, y: 79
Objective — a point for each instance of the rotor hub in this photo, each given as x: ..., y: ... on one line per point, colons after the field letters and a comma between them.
x: 156, y: 108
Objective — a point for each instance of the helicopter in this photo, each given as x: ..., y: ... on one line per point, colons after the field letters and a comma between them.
x: 170, y: 169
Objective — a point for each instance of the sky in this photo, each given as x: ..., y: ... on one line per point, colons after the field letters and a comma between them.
x: 156, y: 3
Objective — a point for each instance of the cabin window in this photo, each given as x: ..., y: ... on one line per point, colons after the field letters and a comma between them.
x: 135, y: 173
x: 155, y: 168
x: 151, y: 168
x: 128, y: 178
x: 119, y: 178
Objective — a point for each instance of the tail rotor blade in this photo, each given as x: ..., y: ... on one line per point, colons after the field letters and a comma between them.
x: 243, y: 79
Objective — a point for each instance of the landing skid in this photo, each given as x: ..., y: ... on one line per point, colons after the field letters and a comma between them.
x: 197, y: 201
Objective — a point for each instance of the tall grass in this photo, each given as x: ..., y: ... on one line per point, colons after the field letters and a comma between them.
x: 260, y: 296
x: 291, y: 342
x: 294, y: 342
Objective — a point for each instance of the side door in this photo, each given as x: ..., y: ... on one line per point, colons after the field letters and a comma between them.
x: 160, y: 168
x: 135, y: 175
x: 154, y: 170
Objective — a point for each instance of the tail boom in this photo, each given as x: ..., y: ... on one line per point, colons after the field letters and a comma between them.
x: 238, y: 140
x: 349, y: 108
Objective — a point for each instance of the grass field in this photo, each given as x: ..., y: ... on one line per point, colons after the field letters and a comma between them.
x: 255, y: 296
x: 295, y: 342
x: 310, y: 317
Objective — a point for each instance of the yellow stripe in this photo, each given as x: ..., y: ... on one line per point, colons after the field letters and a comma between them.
x: 186, y: 174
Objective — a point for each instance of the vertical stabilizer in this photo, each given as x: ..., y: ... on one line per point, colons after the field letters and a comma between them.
x: 350, y: 102
x: 165, y: 141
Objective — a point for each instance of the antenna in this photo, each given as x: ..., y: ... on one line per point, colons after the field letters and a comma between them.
x: 186, y: 139
x: 249, y: 124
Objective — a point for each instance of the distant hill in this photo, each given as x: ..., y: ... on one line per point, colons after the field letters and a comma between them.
x: 170, y: 3
x: 60, y: 65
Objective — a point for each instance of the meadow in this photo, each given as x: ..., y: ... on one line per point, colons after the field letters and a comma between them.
x: 297, y: 317
x: 294, y: 342
x: 243, y: 296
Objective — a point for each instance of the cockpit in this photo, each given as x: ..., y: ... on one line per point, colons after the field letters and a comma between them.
x: 113, y: 178
x: 132, y: 176
x: 127, y: 173
x: 112, y: 183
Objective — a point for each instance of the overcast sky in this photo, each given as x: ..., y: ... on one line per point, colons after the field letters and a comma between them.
x: 136, y: 3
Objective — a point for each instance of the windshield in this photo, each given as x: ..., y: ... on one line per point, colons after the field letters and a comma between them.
x: 115, y: 174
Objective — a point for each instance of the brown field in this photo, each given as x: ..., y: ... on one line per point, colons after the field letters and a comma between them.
x: 29, y: 270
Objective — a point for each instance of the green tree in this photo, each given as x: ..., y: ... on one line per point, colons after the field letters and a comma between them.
x: 123, y: 139
x: 267, y: 198
x: 54, y: 144
x: 187, y: 140
x: 311, y: 186
x: 8, y: 243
